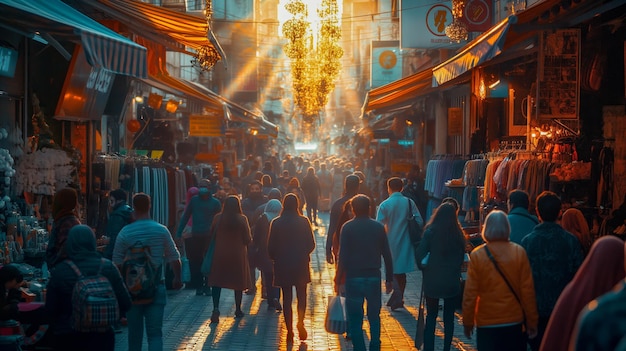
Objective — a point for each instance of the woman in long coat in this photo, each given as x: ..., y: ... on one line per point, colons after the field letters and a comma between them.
x: 290, y: 244
x: 444, y: 240
x: 230, y: 234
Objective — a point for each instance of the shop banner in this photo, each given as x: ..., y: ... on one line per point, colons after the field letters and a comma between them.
x: 205, y: 126
x: 559, y: 70
x: 386, y: 63
x: 423, y: 24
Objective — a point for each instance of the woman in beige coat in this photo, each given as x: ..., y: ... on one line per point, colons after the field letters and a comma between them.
x: 230, y: 234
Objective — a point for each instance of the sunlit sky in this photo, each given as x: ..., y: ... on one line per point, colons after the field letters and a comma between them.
x: 312, y: 6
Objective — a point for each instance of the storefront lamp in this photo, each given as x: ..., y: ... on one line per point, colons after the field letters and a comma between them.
x: 139, y: 99
x: 171, y: 106
x: 133, y: 125
x: 254, y: 131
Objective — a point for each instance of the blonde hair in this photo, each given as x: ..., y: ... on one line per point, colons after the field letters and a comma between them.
x: 497, y: 227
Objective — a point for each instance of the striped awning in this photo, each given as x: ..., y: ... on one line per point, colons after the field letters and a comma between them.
x: 103, y: 47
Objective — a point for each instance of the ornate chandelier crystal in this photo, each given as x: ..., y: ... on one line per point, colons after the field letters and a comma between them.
x: 207, y: 56
x: 314, y: 58
x: 457, y: 30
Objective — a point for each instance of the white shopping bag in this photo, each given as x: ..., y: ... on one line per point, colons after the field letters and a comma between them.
x: 336, y: 321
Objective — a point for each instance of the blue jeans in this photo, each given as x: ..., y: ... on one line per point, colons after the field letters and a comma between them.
x: 358, y: 290
x: 152, y: 313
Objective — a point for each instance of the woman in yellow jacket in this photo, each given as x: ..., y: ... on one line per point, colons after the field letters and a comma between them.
x: 504, y: 314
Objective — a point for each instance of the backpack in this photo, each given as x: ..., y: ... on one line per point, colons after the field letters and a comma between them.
x: 94, y: 304
x: 140, y: 274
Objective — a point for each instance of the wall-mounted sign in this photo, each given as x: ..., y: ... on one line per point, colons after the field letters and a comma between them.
x: 455, y: 121
x: 559, y: 70
x: 386, y: 62
x: 204, y: 126
x: 478, y: 15
x: 423, y: 24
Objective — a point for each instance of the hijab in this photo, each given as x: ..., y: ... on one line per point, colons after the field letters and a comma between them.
x: 64, y: 203
x: 574, y: 222
x: 80, y: 243
x: 600, y: 272
x: 272, y: 209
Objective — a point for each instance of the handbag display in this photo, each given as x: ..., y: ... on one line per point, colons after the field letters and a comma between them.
x: 415, y: 229
x: 336, y: 321
x: 495, y: 264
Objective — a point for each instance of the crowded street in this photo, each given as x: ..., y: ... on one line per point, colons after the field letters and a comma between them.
x: 186, y: 324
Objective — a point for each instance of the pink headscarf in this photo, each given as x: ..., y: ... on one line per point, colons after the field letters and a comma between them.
x: 191, y: 192
x: 600, y: 271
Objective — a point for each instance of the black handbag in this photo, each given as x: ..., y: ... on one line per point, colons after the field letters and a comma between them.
x: 415, y: 229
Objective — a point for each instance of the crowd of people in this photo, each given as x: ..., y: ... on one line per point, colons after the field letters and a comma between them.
x: 540, y: 282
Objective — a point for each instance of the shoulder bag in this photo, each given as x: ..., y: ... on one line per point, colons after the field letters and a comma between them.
x: 415, y: 230
x: 495, y: 264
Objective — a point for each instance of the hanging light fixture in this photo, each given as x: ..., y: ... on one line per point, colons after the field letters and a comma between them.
x: 457, y: 30
x: 315, y: 58
x: 207, y: 56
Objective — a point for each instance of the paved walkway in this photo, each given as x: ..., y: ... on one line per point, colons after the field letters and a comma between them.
x: 186, y: 324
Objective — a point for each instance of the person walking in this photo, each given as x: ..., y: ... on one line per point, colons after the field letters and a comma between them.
x: 312, y: 192
x: 289, y: 245
x: 325, y: 179
x: 80, y: 248
x: 200, y: 211
x: 499, y: 298
x: 259, y: 244
x: 393, y: 213
x: 120, y: 215
x: 64, y: 206
x: 444, y: 243
x: 554, y: 256
x: 230, y: 233
x: 363, y: 242
x: 522, y: 222
x: 249, y: 206
x: 351, y: 188
x: 162, y: 250
x: 601, y: 270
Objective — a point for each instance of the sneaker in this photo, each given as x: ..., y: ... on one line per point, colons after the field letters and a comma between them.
x: 215, y: 316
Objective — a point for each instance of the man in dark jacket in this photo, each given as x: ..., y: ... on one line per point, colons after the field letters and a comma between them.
x: 350, y: 188
x: 554, y: 256
x: 363, y: 242
x: 120, y: 215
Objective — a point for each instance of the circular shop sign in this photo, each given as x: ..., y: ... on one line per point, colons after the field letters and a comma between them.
x: 476, y: 12
x: 437, y: 18
x: 387, y: 59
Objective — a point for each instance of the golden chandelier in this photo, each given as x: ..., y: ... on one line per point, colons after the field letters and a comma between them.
x: 457, y: 30
x: 315, y: 57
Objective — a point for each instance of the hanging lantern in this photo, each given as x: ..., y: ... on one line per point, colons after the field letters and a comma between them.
x: 133, y: 125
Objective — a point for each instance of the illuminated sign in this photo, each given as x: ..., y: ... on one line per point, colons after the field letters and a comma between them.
x: 8, y: 61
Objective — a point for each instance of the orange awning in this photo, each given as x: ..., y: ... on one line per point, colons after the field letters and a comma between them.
x: 175, y: 30
x: 399, y: 92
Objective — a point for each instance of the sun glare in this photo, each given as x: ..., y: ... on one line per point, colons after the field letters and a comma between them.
x: 312, y: 6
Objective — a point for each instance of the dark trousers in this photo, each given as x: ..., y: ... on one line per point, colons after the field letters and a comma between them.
x: 301, y: 304
x: 432, y: 310
x: 195, y: 248
x: 267, y: 278
x: 541, y: 329
x: 357, y: 291
x: 510, y: 338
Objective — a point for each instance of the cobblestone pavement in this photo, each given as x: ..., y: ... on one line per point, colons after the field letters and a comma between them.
x: 186, y: 323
